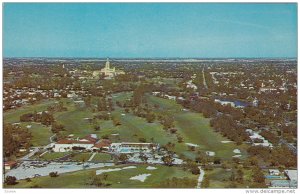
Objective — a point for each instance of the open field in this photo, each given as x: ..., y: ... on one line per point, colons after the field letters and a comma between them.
x: 13, y: 116
x: 220, y: 178
x: 40, y: 133
x: 195, y: 129
x: 54, y: 155
x: 81, y: 157
x: 101, y: 157
x: 117, y: 179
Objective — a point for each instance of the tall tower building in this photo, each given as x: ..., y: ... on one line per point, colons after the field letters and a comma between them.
x: 107, y: 65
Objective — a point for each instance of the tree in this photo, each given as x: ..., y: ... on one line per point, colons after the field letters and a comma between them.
x: 167, y: 122
x: 217, y: 160
x: 87, y: 100
x: 96, y: 181
x: 179, y: 139
x: 142, y: 139
x: 258, y: 176
x: 195, y: 170
x: 150, y: 117
x: 123, y: 158
x: 116, y: 121
x: 97, y: 128
x: 53, y: 174
x: 232, y: 176
x: 240, y: 176
x: 168, y: 160
x: 11, y: 180
x: 173, y: 130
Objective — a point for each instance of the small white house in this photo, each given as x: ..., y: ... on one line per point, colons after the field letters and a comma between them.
x: 274, y: 172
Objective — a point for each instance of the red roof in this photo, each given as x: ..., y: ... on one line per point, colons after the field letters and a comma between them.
x: 103, y: 143
x: 10, y: 163
x: 64, y: 141
x: 71, y: 141
x: 91, y: 139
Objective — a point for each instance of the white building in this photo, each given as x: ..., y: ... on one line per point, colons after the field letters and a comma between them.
x: 224, y: 103
x: 126, y: 147
x: 274, y: 172
x: 65, y: 145
x: 108, y: 72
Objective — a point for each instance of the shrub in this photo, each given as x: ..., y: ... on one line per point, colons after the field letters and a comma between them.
x: 11, y: 180
x: 53, y: 174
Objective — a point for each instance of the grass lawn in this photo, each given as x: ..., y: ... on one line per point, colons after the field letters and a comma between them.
x: 118, y: 179
x: 194, y: 128
x: 54, y: 155
x: 80, y: 157
x: 134, y: 127
x: 220, y: 178
x: 12, y: 116
x: 75, y: 122
x: 40, y: 133
x: 101, y: 157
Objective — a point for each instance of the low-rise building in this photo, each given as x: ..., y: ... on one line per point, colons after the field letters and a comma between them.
x: 127, y: 147
x: 65, y: 145
x: 274, y: 172
x: 9, y: 165
x: 103, y: 144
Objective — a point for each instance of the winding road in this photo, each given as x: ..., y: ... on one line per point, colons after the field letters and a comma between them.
x: 201, y: 176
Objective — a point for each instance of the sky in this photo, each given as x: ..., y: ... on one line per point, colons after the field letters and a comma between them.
x: 130, y: 30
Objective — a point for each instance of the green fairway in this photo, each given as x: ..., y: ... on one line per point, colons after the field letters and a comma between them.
x: 75, y: 121
x: 134, y: 127
x: 54, y: 155
x: 101, y: 157
x: 195, y: 129
x: 12, y: 116
x: 117, y: 179
x: 220, y: 178
x: 81, y: 157
x: 40, y: 133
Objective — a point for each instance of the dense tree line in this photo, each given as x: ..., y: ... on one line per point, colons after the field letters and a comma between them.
x: 14, y: 137
x: 229, y: 128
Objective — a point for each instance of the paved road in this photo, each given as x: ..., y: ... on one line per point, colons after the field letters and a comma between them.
x: 36, y: 149
x: 204, y: 80
x: 201, y: 176
x: 50, y: 138
x: 92, y: 156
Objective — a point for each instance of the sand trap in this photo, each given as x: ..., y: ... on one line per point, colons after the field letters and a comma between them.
x: 129, y: 167
x: 141, y: 177
x: 237, y: 156
x: 226, y: 141
x: 191, y: 144
x: 28, y: 126
x: 236, y: 151
x: 113, y: 169
x: 209, y: 153
x: 123, y: 114
x: 115, y: 134
x: 151, y: 168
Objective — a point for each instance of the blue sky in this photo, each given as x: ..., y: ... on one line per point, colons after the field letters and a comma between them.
x: 149, y: 30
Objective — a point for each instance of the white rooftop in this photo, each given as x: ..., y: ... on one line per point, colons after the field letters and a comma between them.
x: 292, y: 174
